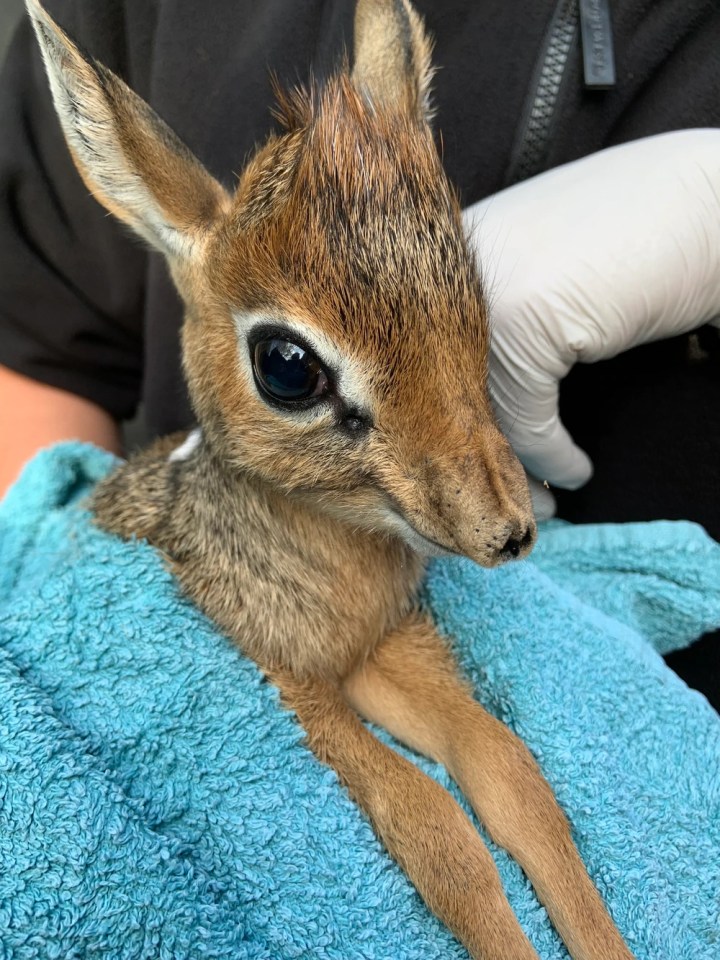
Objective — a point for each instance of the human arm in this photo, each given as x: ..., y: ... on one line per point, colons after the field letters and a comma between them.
x: 35, y: 415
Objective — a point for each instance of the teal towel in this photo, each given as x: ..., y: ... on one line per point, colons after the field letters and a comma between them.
x: 156, y: 801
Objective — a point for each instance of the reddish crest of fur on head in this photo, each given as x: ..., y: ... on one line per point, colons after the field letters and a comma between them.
x: 348, y: 222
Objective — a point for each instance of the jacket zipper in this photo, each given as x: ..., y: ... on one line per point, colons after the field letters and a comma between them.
x: 529, y: 154
x: 530, y: 150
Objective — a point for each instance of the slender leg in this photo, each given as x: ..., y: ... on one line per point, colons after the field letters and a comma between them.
x: 421, y: 825
x: 410, y: 686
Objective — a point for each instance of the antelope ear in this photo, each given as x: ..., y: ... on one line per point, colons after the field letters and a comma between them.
x: 392, y: 56
x: 129, y: 158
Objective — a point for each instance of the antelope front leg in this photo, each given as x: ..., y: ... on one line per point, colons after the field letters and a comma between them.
x: 410, y: 686
x: 421, y: 825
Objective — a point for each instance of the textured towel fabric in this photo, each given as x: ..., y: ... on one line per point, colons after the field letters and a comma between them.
x: 156, y: 801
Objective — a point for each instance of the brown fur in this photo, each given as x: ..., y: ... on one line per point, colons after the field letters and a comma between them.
x: 286, y: 530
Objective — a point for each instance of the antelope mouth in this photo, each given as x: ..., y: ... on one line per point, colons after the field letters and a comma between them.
x: 421, y: 544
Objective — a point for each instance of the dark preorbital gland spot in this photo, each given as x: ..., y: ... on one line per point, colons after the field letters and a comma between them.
x: 354, y: 424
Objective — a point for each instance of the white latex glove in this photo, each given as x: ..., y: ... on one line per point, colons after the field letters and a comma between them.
x: 586, y: 261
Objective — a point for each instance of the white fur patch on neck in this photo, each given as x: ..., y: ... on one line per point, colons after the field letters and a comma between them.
x: 187, y: 447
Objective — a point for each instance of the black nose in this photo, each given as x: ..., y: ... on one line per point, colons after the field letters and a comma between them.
x: 515, y: 544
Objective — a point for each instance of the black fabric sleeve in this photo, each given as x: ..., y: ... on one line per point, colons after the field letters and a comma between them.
x: 71, y: 279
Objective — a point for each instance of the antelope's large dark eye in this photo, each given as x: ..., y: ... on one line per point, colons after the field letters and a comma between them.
x: 287, y: 371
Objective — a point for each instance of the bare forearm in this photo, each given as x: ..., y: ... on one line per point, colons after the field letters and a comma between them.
x: 34, y: 415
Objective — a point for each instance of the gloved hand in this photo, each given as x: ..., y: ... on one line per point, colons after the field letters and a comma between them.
x: 586, y: 261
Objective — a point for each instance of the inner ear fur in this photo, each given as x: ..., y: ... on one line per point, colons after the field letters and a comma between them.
x: 393, y: 57
x: 131, y: 161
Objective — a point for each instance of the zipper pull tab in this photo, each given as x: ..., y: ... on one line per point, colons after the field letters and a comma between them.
x: 597, y: 44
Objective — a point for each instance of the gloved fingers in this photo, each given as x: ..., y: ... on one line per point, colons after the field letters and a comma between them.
x: 526, y: 400
x: 548, y: 451
x: 543, y: 501
x: 591, y: 258
x: 526, y: 404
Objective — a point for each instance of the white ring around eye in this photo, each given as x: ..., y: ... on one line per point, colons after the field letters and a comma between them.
x: 350, y: 378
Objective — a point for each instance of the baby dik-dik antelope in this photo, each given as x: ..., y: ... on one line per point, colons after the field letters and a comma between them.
x: 335, y: 345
